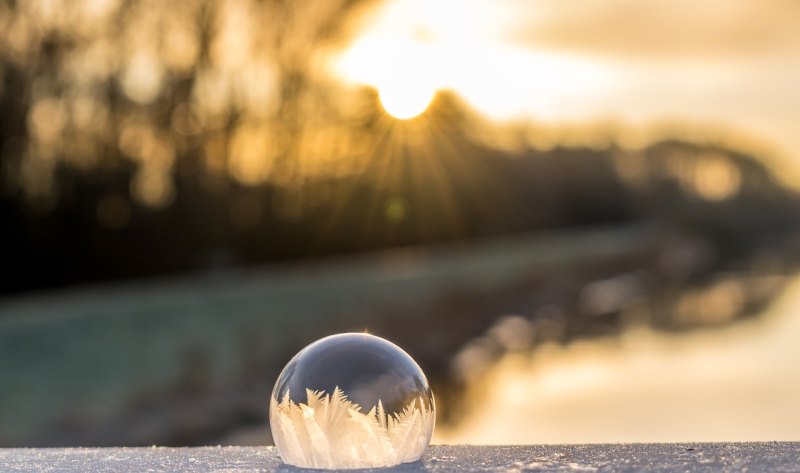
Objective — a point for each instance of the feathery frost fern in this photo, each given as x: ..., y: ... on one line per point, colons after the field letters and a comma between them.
x: 332, y: 432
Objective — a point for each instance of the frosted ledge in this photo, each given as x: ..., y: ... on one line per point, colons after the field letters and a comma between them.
x: 701, y: 457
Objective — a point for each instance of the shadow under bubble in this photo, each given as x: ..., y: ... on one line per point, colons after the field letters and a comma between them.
x: 410, y: 467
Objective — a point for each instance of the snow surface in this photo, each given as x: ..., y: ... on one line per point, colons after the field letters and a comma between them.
x: 752, y: 457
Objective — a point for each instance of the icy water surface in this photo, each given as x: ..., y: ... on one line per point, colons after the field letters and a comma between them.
x: 737, y: 383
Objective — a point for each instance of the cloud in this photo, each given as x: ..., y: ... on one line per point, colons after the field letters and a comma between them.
x: 676, y: 29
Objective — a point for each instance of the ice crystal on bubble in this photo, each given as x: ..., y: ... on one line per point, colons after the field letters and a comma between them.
x: 332, y: 432
x: 351, y: 401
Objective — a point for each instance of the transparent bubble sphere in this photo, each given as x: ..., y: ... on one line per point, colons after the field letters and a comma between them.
x: 351, y: 400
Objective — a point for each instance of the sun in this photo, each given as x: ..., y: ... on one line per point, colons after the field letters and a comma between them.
x: 403, y: 70
x: 405, y: 99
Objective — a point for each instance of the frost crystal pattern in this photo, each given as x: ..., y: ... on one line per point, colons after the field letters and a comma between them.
x: 351, y: 401
x: 332, y: 432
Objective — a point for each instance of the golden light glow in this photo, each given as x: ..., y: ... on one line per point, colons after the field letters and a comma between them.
x: 411, y: 50
x: 402, y: 69
x: 548, y: 65
x: 405, y: 100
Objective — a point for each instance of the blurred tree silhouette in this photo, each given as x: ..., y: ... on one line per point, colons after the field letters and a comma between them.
x: 95, y: 84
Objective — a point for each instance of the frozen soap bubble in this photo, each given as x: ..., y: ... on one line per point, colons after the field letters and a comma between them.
x: 351, y: 400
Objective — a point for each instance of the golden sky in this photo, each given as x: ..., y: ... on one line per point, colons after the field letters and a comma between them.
x: 728, y: 67
x: 681, y: 30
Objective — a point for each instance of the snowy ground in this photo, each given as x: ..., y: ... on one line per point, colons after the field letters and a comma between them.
x: 751, y: 457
